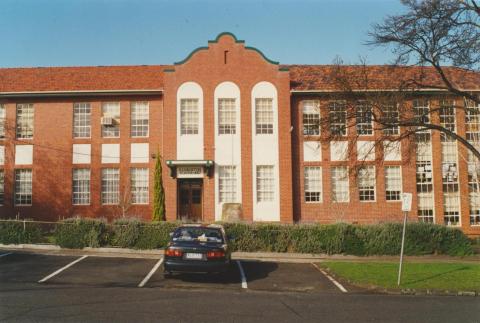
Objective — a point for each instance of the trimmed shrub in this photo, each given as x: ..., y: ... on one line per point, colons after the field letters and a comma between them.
x: 125, y: 232
x: 78, y: 233
x: 13, y: 232
x: 154, y: 235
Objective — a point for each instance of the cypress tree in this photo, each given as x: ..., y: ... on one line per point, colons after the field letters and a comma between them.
x: 158, y: 191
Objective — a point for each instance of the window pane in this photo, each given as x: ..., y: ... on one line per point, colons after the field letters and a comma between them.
x: 390, y: 119
x: 25, y: 121
x: 2, y: 187
x: 139, y: 185
x: 313, y: 184
x: 364, y: 121
x: 81, y: 187
x: 366, y: 183
x: 311, y: 118
x: 451, y: 194
x: 23, y: 187
x: 189, y: 116
x: 81, y: 120
x: 264, y: 116
x: 226, y: 116
x: 393, y: 183
x: 139, y: 119
x: 265, y: 183
x: 227, y: 184
x: 111, y: 110
x: 3, y: 118
x: 340, y: 184
x: 110, y: 186
x: 337, y: 115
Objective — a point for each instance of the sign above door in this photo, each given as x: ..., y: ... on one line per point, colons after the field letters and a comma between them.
x: 190, y: 168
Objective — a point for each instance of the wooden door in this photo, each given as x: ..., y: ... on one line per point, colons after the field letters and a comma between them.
x: 190, y: 200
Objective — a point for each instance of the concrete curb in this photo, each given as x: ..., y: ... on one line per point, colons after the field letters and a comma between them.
x: 257, y: 256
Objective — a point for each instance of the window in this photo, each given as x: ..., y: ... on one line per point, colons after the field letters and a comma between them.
x: 364, y: 120
x: 2, y: 186
x: 227, y: 184
x: 424, y: 179
x: 139, y: 115
x: 25, y: 121
x: 313, y: 184
x: 139, y: 185
x: 337, y: 116
x: 472, y: 123
x: 474, y: 188
x: 390, y: 119
x: 447, y: 118
x: 226, y: 116
x: 2, y: 155
x: 23, y: 187
x: 451, y: 195
x: 311, y: 118
x: 3, y: 118
x: 81, y: 187
x: 110, y: 186
x: 340, y: 184
x: 265, y: 184
x: 264, y: 116
x: 422, y: 116
x: 189, y: 116
x: 366, y: 183
x: 81, y: 120
x: 393, y: 183
x: 111, y: 110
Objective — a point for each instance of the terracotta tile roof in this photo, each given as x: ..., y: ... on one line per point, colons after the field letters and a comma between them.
x: 150, y: 77
x: 325, y: 77
x: 87, y: 78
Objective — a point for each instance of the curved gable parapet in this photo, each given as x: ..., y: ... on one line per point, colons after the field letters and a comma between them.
x: 236, y: 41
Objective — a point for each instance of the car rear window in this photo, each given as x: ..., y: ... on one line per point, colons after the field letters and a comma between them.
x: 198, y: 234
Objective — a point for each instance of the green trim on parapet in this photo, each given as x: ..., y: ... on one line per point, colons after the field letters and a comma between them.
x: 236, y: 41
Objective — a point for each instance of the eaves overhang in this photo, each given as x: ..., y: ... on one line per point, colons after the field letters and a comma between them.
x: 424, y: 90
x: 47, y: 94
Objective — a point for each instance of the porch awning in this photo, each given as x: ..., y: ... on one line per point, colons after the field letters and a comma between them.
x: 190, y: 168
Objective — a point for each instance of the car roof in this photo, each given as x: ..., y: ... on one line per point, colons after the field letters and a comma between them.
x: 200, y: 225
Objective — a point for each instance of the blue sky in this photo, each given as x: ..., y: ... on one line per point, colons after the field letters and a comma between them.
x: 133, y: 32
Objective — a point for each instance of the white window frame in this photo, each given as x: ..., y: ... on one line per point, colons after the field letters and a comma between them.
x: 227, y: 184
x: 227, y: 116
x: 450, y: 183
x: 82, y: 120
x: 23, y: 187
x: 393, y: 183
x: 311, y: 118
x: 3, y: 120
x: 391, y: 115
x: 366, y: 183
x: 2, y: 187
x: 139, y: 119
x: 110, y: 188
x: 264, y: 116
x: 189, y: 117
x: 448, y: 119
x: 139, y: 180
x: 340, y: 184
x: 111, y: 109
x: 265, y: 175
x: 364, y: 118
x: 313, y: 186
x: 337, y: 118
x: 81, y: 186
x: 25, y: 121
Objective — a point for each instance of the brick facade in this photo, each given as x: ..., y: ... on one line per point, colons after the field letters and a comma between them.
x: 225, y: 59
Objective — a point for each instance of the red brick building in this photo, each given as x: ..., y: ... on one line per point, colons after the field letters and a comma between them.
x: 239, y: 135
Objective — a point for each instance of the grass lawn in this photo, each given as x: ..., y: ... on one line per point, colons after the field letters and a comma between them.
x: 433, y: 276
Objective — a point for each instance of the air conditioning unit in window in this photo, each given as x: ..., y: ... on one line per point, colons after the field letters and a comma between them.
x: 106, y: 121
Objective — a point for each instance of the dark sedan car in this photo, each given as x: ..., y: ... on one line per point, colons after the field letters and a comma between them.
x: 197, y: 248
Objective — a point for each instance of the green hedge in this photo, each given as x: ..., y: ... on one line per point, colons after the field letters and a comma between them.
x: 381, y: 239
x: 15, y: 232
x: 77, y: 233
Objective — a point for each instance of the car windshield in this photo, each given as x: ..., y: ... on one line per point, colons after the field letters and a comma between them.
x: 200, y: 234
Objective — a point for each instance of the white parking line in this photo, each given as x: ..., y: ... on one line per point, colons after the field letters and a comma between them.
x: 5, y: 254
x: 330, y: 278
x: 61, y: 269
x: 150, y: 274
x: 242, y: 274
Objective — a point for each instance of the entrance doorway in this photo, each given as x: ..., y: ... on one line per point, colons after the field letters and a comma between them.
x: 190, y: 199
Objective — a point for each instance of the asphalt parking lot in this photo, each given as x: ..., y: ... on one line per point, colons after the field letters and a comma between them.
x: 42, y: 270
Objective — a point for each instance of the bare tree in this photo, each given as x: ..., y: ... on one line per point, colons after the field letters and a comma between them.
x: 434, y: 33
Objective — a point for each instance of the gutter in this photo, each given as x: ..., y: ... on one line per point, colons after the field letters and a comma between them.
x: 377, y: 90
x: 48, y: 94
